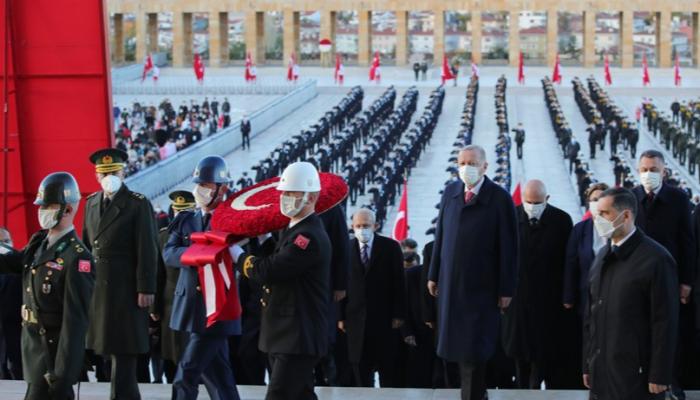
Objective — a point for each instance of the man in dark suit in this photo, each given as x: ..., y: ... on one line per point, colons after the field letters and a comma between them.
x: 473, y: 268
x: 631, y: 322
x: 206, y: 357
x: 376, y: 303
x: 535, y: 333
x: 296, y: 287
x: 120, y: 230
x: 245, y: 132
x: 664, y: 215
x: 10, y: 321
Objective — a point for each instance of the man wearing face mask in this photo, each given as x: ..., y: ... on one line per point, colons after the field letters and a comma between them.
x: 535, y: 327
x: 245, y: 132
x: 664, y: 215
x: 206, y: 356
x: 59, y: 276
x: 376, y: 304
x: 473, y: 269
x: 120, y: 230
x: 296, y: 288
x: 631, y: 321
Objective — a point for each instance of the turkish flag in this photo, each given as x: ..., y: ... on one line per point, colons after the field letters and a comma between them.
x: 198, y: 65
x: 147, y: 66
x: 556, y: 74
x: 677, y: 72
x: 517, y: 196
x: 374, y: 73
x: 521, y: 71
x: 608, y: 77
x: 290, y: 68
x: 446, y: 70
x: 209, y: 253
x: 400, y: 231
x: 645, y: 71
x: 248, y: 65
x: 338, y: 73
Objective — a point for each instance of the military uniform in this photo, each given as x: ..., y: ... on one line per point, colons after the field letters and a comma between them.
x: 58, y: 283
x: 121, y: 233
x: 296, y: 287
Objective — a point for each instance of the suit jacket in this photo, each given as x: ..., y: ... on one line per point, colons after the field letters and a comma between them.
x: 296, y: 290
x: 123, y: 240
x: 376, y: 295
x: 579, y: 257
x: 475, y: 261
x: 631, y: 323
x: 189, y: 312
x: 668, y: 222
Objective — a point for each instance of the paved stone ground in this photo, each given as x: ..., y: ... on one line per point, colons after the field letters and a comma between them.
x: 14, y: 390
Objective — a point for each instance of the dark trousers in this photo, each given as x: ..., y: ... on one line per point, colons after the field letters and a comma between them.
x: 473, y: 377
x: 123, y: 377
x: 519, y: 149
x: 246, y: 140
x: 528, y: 375
x: 206, y: 359
x: 292, y: 377
x: 39, y: 390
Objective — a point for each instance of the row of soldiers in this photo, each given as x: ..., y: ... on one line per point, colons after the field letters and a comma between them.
x: 687, y: 115
x: 502, y: 174
x: 309, y: 140
x: 622, y: 130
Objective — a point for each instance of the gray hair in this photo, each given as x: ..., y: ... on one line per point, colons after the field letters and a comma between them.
x: 475, y: 147
x: 366, y: 211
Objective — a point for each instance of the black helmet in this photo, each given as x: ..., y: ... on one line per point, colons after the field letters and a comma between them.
x: 58, y: 188
x: 211, y: 169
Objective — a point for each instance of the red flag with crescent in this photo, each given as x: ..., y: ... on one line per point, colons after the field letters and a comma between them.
x: 400, y: 231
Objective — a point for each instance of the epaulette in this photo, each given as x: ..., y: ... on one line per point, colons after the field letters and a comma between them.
x: 163, y: 229
x: 138, y: 195
x: 93, y: 195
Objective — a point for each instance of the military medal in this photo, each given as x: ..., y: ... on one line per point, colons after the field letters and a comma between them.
x: 54, y: 265
x: 59, y: 260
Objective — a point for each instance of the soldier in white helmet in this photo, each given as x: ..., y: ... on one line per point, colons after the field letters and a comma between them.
x: 296, y: 288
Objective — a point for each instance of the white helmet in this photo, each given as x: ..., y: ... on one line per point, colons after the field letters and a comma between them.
x: 300, y: 177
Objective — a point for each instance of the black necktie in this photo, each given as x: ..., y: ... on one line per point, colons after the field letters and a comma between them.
x: 205, y: 221
x: 649, y: 200
x: 105, y: 203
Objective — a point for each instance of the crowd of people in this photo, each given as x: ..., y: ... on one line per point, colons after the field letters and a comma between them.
x: 150, y: 133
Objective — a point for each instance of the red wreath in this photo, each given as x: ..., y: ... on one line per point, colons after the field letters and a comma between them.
x: 257, y: 208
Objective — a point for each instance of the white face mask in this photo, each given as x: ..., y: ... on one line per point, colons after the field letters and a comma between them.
x: 650, y: 180
x: 604, y: 227
x: 470, y: 175
x: 48, y: 218
x: 534, y: 210
x: 111, y: 184
x: 202, y: 195
x: 288, y: 205
x: 364, y: 235
x: 593, y: 207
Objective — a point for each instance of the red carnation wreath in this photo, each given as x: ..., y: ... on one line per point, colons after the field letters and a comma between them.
x: 255, y: 210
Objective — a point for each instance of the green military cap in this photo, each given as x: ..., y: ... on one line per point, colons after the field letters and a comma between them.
x: 109, y: 160
x: 182, y: 200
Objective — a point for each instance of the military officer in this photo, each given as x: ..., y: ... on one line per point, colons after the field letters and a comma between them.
x: 172, y: 342
x: 206, y: 356
x: 296, y: 286
x: 58, y: 276
x: 120, y: 230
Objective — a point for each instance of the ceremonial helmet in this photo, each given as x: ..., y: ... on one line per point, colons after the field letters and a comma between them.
x: 58, y: 188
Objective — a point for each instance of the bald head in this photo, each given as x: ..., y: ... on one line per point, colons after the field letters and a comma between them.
x: 535, y: 192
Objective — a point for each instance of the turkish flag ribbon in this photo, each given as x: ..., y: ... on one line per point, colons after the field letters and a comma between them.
x: 209, y: 253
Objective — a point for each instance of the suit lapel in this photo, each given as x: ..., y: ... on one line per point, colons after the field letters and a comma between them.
x: 112, y: 212
x: 52, y: 252
x: 372, y: 255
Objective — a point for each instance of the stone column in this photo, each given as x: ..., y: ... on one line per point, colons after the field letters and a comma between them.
x: 627, y: 39
x: 327, y: 31
x: 476, y: 36
x: 178, y: 40
x: 589, y: 58
x: 364, y: 37
x: 514, y: 38
x: 187, y: 38
x: 401, y: 37
x: 438, y: 36
x: 291, y: 35
x: 552, y: 36
x: 255, y: 36
x: 663, y: 39
x: 118, y: 51
x: 218, y: 35
x: 140, y: 19
x: 152, y: 30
